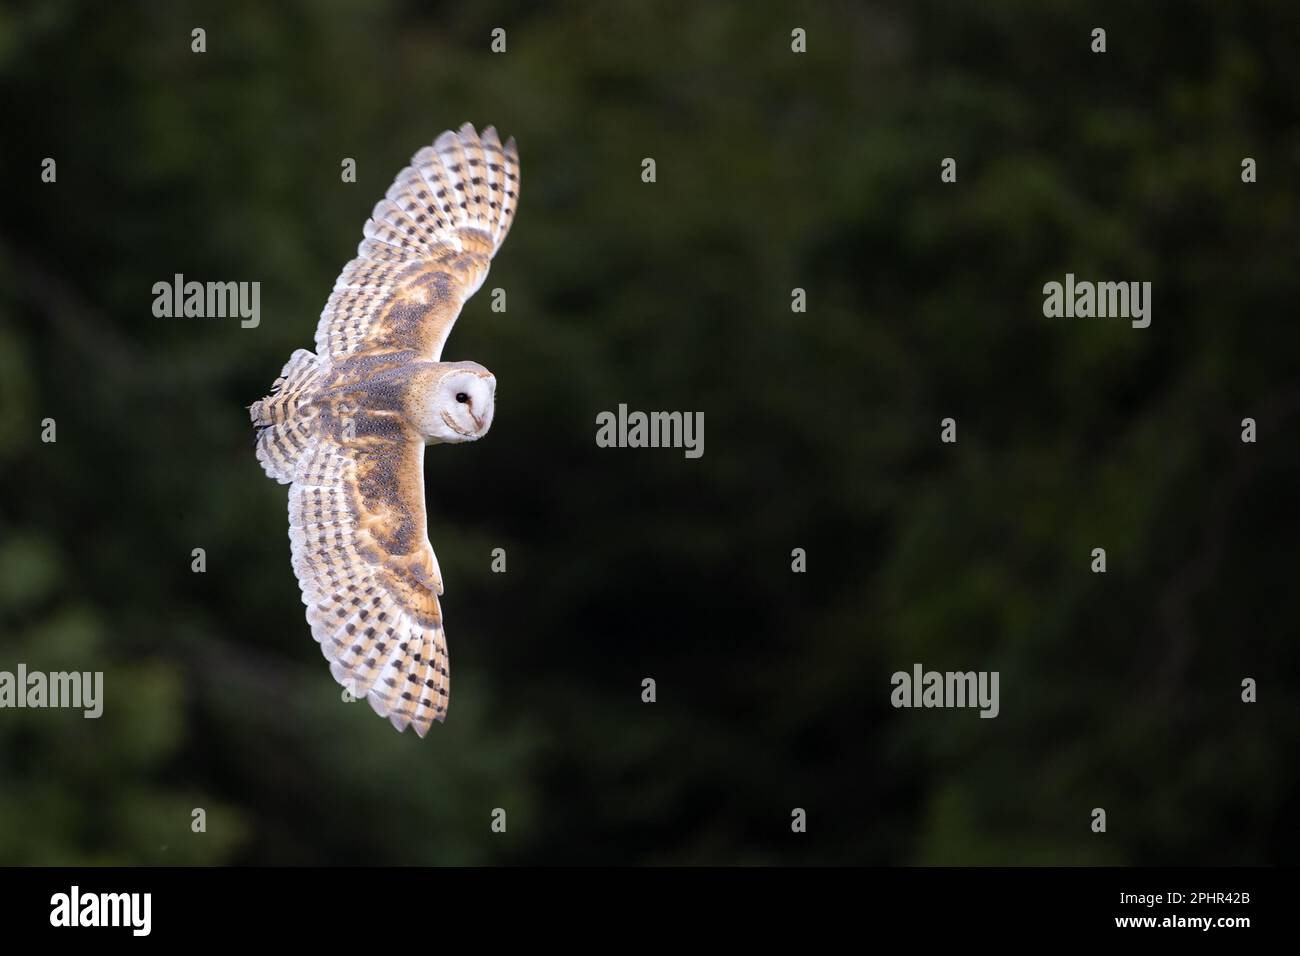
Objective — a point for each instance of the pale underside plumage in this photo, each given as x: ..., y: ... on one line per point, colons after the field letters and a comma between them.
x: 355, y: 464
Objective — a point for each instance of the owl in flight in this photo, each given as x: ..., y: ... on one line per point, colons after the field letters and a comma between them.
x: 346, y: 427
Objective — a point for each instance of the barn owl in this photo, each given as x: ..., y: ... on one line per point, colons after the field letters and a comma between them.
x: 346, y: 427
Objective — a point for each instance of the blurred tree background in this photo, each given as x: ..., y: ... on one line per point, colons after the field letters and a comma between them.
x: 775, y: 170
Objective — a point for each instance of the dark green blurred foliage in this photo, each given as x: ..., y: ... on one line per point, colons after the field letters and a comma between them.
x: 775, y: 171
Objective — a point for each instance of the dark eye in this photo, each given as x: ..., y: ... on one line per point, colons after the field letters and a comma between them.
x: 462, y: 397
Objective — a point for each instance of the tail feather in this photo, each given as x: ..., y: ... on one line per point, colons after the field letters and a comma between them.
x: 285, y: 418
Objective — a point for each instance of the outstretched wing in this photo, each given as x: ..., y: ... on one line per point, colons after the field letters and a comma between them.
x: 368, y: 574
x: 426, y: 250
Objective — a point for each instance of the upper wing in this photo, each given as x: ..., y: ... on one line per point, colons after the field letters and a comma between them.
x: 368, y: 574
x: 426, y: 249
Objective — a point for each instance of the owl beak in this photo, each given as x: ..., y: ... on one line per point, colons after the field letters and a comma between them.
x: 478, y: 421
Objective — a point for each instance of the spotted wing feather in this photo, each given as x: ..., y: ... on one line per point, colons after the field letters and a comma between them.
x: 367, y: 572
x: 426, y: 249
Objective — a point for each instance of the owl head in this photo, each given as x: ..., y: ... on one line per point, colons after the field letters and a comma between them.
x: 461, y: 406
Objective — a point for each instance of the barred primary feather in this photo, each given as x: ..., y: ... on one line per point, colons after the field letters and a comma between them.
x: 446, y: 214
